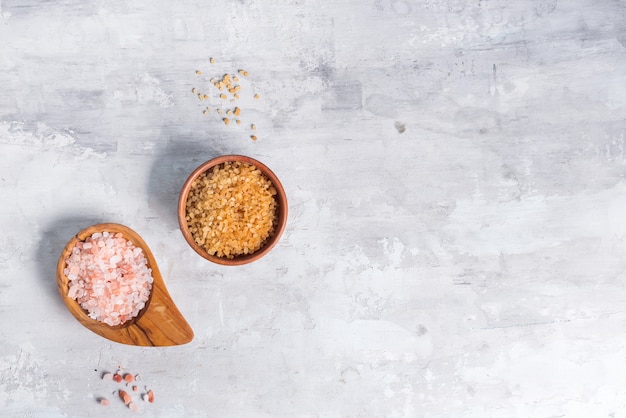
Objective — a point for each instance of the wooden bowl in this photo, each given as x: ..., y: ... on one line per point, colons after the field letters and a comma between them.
x: 159, y: 323
x: 281, y: 215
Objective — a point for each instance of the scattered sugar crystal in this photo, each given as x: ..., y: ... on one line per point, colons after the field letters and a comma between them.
x: 109, y: 277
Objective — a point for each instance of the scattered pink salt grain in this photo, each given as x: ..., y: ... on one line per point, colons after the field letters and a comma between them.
x: 129, y: 395
x: 124, y: 396
x: 104, y: 401
x: 109, y: 277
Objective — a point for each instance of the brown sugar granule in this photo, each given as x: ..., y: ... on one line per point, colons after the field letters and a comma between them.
x: 231, y: 210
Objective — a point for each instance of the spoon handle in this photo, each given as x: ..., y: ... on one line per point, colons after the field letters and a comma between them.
x: 162, y: 324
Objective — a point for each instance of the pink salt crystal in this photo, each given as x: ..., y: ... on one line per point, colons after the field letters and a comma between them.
x: 133, y: 407
x: 104, y: 401
x: 125, y: 397
x: 109, y: 277
x: 145, y: 397
x: 73, y: 293
x: 107, y: 376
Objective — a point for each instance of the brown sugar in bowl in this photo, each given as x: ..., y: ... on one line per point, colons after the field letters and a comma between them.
x: 280, y: 215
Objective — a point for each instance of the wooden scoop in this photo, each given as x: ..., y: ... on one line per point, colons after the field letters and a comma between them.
x: 159, y: 323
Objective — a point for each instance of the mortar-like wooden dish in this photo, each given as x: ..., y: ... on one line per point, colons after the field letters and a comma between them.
x: 159, y: 323
x: 281, y: 214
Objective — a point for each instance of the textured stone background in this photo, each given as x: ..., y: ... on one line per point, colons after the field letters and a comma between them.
x: 455, y: 172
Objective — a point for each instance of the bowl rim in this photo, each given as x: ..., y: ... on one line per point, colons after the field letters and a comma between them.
x: 281, y: 200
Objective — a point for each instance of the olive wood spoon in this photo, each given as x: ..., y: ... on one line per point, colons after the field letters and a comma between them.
x: 158, y: 324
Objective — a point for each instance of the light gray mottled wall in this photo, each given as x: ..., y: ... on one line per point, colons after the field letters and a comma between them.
x: 455, y: 172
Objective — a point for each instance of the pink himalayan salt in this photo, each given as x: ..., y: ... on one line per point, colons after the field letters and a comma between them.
x: 109, y: 277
